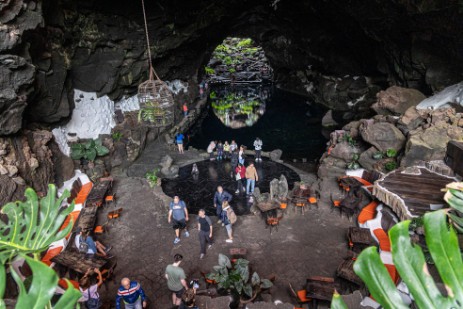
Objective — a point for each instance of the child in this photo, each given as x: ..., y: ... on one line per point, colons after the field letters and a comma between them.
x: 228, y: 218
x: 226, y: 150
x: 219, y: 151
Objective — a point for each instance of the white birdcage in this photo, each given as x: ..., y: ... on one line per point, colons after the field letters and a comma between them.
x: 155, y: 98
x: 156, y: 103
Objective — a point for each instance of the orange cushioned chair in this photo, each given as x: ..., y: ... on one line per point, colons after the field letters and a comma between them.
x: 393, y: 273
x: 51, y: 253
x: 384, y: 242
x: 83, y: 193
x: 73, y: 215
x: 368, y: 212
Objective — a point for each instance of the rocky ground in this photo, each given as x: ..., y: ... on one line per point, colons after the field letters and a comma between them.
x: 304, y: 245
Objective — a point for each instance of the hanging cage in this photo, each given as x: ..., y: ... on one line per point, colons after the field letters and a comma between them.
x: 156, y: 104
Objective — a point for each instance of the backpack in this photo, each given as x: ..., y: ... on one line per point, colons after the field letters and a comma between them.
x: 231, y: 215
x: 92, y: 303
x: 83, y: 246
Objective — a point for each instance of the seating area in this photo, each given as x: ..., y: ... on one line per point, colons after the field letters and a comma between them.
x: 89, y: 199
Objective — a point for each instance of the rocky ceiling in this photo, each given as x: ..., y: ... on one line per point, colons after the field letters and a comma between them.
x: 337, y: 52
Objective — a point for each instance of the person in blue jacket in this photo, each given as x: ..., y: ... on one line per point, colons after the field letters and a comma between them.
x: 219, y: 197
x: 132, y: 294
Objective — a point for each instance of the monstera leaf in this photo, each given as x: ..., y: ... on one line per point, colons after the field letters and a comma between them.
x: 410, y: 262
x: 33, y: 225
x: 43, y: 286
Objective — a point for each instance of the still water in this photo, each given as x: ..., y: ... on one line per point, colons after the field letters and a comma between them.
x: 281, y: 119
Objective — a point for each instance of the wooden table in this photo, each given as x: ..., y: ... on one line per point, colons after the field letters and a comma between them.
x: 98, y: 193
x: 87, y: 218
x: 78, y: 262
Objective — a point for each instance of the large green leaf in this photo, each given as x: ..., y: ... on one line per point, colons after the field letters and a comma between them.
x: 411, y: 264
x: 43, y: 286
x: 32, y: 225
x: 372, y: 271
x: 443, y: 246
x: 224, y: 260
x: 337, y: 302
x: 69, y: 299
x: 255, y: 279
x: 2, y: 285
x: 90, y: 154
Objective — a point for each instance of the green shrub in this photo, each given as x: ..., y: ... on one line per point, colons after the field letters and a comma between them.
x: 209, y: 71
x: 391, y: 153
x: 88, y: 150
x: 116, y: 136
x: 244, y: 43
x: 390, y: 166
x: 152, y: 177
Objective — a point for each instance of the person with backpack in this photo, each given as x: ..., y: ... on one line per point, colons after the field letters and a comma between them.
x: 178, y: 215
x: 219, y: 197
x: 228, y: 218
x: 179, y: 137
x: 132, y: 294
x: 85, y: 244
x: 90, y: 296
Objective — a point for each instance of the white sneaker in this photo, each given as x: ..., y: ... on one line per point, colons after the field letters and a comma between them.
x: 237, y: 191
x: 229, y: 240
x: 201, y: 256
x: 220, y: 221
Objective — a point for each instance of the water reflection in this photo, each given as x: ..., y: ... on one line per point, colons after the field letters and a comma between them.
x: 239, y: 106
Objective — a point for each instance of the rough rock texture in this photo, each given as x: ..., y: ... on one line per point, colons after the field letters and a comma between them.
x: 338, y: 53
x: 396, y: 100
x: 25, y: 160
x: 382, y: 135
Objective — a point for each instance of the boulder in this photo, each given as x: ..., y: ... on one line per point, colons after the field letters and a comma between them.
x: 383, y: 136
x: 344, y: 151
x: 275, y: 155
x: 166, y: 161
x: 426, y: 145
x: 366, y: 159
x: 396, y: 100
x: 410, y: 120
x: 62, y: 164
x: 328, y: 121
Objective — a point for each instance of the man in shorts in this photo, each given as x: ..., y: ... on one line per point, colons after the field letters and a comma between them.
x: 178, y: 215
x: 176, y: 280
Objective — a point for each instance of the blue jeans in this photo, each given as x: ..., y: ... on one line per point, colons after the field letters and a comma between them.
x: 218, y: 210
x: 241, y: 161
x: 91, y: 244
x: 250, y: 183
x: 135, y: 305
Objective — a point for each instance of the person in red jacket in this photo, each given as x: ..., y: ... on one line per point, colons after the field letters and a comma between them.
x: 240, y: 176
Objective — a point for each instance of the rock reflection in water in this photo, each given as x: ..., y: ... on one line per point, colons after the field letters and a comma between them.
x: 198, y: 190
x: 239, y: 106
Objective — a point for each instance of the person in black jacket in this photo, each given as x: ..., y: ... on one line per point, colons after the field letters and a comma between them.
x: 219, y: 197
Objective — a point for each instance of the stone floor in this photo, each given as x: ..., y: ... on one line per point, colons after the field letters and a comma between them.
x: 304, y: 245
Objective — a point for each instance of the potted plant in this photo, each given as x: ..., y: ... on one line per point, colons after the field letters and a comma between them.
x: 235, y: 278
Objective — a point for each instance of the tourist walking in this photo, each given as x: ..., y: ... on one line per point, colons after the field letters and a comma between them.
x: 86, y: 244
x: 240, y: 176
x: 210, y: 150
x: 251, y: 178
x: 241, y: 155
x: 132, y: 294
x: 205, y: 231
x: 226, y: 150
x: 219, y: 197
x: 258, y: 148
x: 178, y: 215
x: 179, y: 137
x: 176, y: 280
x: 90, y: 296
x: 219, y: 151
x: 185, y: 109
x: 228, y: 218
